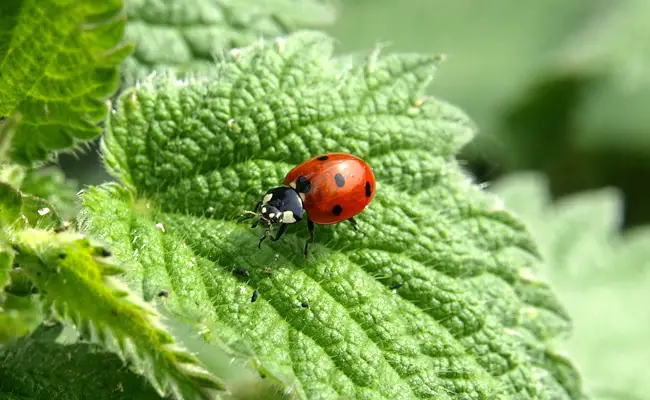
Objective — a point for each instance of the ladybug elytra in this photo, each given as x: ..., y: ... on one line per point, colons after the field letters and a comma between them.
x: 329, y: 189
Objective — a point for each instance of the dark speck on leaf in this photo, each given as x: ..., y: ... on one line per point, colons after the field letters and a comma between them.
x: 396, y: 285
x: 105, y: 252
x: 254, y: 297
x: 241, y: 271
x: 62, y: 256
x: 163, y: 293
x: 60, y: 229
x: 304, y: 304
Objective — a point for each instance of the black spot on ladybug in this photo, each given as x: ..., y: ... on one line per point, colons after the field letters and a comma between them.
x: 241, y: 271
x: 254, y: 297
x: 368, y: 189
x: 323, y: 158
x: 304, y: 304
x: 337, y: 210
x: 340, y: 180
x: 303, y: 185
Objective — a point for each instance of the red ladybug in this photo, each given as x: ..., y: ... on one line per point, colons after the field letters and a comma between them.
x: 330, y: 188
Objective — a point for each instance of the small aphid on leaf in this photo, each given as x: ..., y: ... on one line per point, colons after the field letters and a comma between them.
x: 62, y: 228
x: 105, y: 252
x: 164, y: 293
x: 241, y: 271
x: 268, y: 270
x: 304, y: 304
x: 254, y: 297
x: 396, y: 285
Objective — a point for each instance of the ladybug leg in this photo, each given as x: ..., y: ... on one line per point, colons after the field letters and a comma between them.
x: 354, y: 224
x: 310, y: 228
x: 281, y: 230
x: 250, y: 214
x: 266, y: 234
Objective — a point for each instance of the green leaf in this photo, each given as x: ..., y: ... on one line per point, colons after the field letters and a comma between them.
x: 11, y: 204
x: 469, y: 321
x: 57, y: 66
x: 12, y: 174
x: 18, y: 317
x: 51, y: 184
x: 48, y: 183
x: 75, y: 277
x: 600, y: 274
x: 7, y: 130
x: 184, y: 36
x: 19, y: 210
x: 6, y: 261
x: 39, y: 367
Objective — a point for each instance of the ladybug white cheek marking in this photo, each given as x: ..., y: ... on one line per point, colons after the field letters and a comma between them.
x: 302, y: 196
x: 293, y: 184
x: 267, y: 198
x: 288, y: 217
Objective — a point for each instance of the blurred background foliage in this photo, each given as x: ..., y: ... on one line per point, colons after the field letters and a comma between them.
x: 558, y: 86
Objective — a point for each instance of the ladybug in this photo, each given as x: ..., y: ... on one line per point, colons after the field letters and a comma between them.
x: 328, y: 188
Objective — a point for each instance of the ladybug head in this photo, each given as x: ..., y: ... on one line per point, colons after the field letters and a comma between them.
x: 270, y: 215
x: 280, y: 205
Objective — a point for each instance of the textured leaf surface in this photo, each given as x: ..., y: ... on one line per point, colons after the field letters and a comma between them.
x: 469, y: 321
x: 57, y: 64
x: 76, y: 279
x: 184, y: 35
x: 602, y: 277
x: 39, y: 367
